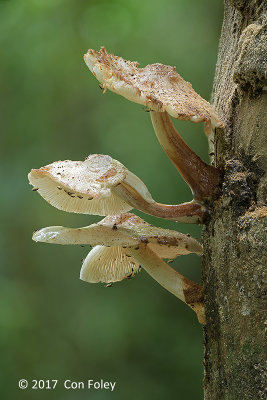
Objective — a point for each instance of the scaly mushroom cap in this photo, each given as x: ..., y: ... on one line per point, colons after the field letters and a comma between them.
x: 125, y: 230
x: 108, y: 265
x: 156, y: 86
x: 164, y: 242
x: 82, y: 186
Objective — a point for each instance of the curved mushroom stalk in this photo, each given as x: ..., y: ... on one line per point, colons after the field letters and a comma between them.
x: 189, y: 292
x: 103, y: 186
x: 190, y: 213
x: 201, y: 177
x: 134, y: 192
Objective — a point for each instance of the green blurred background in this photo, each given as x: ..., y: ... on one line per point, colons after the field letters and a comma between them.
x: 54, y: 326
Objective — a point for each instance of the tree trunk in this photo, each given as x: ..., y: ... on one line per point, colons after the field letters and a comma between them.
x: 235, y: 253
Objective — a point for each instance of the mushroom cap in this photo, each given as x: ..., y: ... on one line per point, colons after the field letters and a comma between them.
x: 156, y: 86
x: 165, y: 243
x: 125, y: 230
x: 95, y: 234
x: 108, y: 264
x: 82, y: 186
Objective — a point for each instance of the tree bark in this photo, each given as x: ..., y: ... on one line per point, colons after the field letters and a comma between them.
x: 234, y: 236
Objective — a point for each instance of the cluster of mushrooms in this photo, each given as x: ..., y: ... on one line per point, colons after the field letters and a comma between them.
x: 122, y: 242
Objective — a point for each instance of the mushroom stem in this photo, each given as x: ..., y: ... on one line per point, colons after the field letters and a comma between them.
x: 190, y: 213
x: 189, y: 292
x: 201, y: 177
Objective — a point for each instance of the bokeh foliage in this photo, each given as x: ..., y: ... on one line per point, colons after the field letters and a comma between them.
x: 52, y: 324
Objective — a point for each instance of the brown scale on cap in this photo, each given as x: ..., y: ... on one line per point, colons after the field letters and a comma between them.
x: 110, y: 173
x: 127, y: 220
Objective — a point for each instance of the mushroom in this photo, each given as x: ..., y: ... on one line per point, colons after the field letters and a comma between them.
x: 103, y: 186
x: 108, y: 264
x: 123, y: 230
x: 82, y: 186
x: 124, y: 242
x: 160, y: 88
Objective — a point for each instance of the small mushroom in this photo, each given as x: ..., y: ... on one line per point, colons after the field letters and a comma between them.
x: 103, y: 186
x: 104, y: 264
x: 160, y: 88
x: 119, y: 253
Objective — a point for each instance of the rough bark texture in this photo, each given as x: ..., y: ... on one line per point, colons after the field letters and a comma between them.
x: 235, y: 235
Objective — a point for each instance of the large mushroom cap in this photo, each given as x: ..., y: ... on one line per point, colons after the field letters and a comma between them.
x: 125, y: 230
x: 82, y: 186
x: 156, y: 86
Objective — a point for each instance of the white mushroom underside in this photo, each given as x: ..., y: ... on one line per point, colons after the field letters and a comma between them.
x: 63, y: 198
x: 104, y: 264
